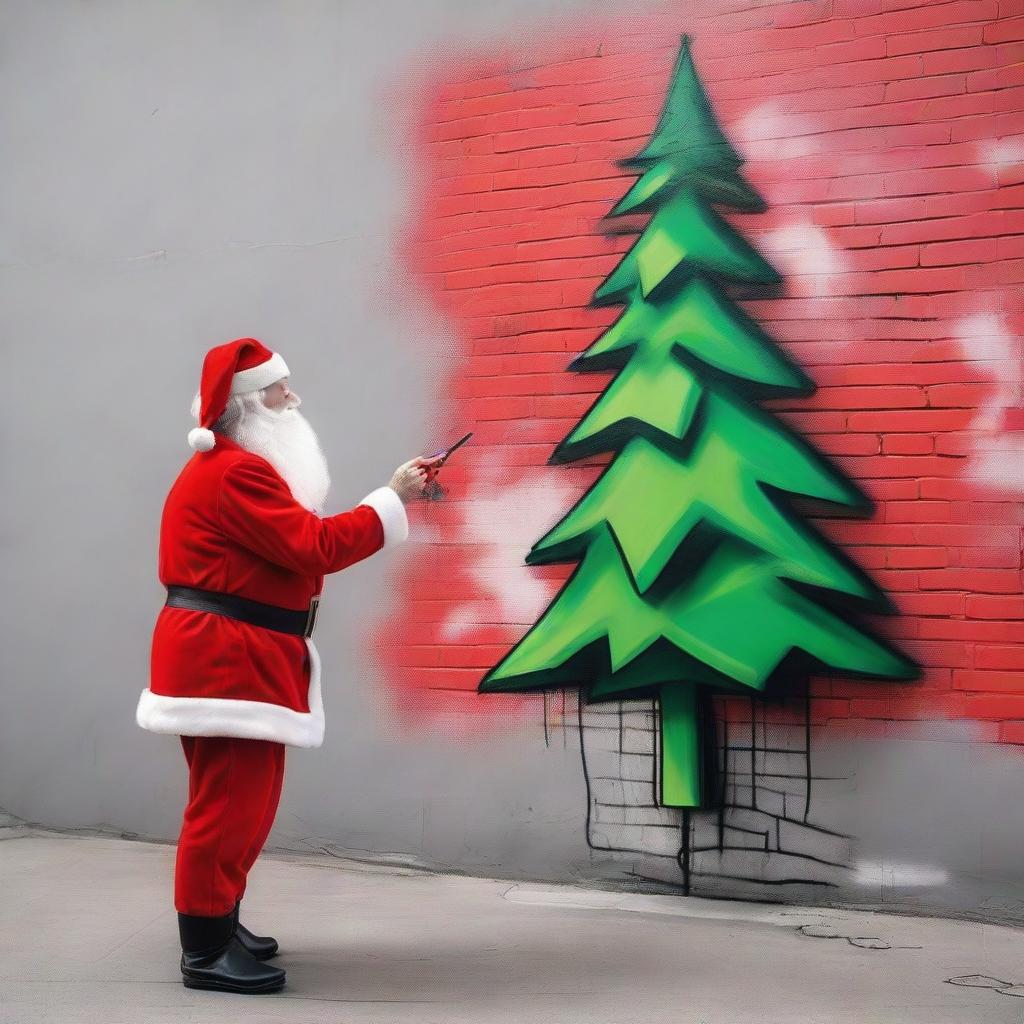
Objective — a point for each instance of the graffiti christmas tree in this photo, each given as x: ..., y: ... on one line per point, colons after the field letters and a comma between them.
x: 694, y: 568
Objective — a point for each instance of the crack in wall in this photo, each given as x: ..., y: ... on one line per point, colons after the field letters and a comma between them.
x: 165, y: 254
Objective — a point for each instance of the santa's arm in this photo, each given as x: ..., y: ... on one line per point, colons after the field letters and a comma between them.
x: 258, y: 511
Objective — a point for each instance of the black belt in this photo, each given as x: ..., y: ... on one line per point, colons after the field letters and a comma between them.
x: 269, y: 616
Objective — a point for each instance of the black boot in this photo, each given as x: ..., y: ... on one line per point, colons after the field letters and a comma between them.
x: 212, y: 957
x: 263, y: 947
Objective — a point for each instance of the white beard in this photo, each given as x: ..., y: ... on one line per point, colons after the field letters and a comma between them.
x: 286, y: 440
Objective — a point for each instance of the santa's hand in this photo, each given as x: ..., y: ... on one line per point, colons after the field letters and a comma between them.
x: 431, y: 464
x: 411, y: 477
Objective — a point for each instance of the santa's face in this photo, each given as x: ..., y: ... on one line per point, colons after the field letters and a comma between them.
x: 276, y: 396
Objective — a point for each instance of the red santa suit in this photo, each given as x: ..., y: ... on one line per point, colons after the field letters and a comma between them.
x: 231, y: 525
x: 238, y: 693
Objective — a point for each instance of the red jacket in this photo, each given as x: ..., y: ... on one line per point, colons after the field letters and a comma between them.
x: 230, y: 524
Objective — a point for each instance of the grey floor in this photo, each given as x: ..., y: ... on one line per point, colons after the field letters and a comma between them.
x: 88, y: 933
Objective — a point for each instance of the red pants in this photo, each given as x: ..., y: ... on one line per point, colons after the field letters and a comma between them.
x: 234, y: 786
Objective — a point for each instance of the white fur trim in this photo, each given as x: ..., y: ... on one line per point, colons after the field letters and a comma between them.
x: 200, y: 439
x: 391, y: 510
x: 248, y: 719
x: 261, y: 376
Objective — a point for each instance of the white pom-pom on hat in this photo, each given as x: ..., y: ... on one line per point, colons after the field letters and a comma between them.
x: 201, y: 440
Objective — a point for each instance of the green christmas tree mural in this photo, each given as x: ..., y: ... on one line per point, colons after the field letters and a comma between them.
x: 695, y: 569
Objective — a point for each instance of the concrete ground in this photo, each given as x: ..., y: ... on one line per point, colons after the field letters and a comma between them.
x: 88, y: 933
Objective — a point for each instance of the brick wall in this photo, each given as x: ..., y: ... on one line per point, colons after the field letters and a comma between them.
x: 761, y: 831
x: 888, y: 141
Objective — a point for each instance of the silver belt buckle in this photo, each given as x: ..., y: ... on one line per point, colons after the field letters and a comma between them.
x: 311, y: 617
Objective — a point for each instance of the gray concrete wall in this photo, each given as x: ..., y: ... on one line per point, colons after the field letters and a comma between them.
x: 176, y: 175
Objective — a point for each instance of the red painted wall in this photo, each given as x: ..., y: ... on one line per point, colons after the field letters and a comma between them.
x: 888, y: 140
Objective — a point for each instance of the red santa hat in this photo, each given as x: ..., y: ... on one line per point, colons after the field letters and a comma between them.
x: 241, y: 365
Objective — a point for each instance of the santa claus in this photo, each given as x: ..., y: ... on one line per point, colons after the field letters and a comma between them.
x: 244, y: 548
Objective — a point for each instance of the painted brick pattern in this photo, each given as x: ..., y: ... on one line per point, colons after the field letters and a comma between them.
x: 762, y: 832
x: 888, y: 140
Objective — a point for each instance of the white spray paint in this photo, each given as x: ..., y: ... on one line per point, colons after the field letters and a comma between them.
x: 997, y: 453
